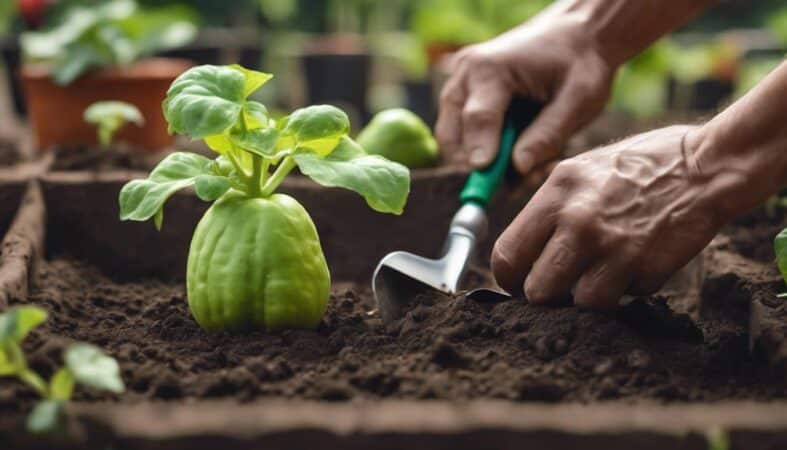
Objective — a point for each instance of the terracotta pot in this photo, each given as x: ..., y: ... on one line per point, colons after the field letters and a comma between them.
x: 56, y: 111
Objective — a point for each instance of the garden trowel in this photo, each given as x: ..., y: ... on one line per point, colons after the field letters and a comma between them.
x: 401, y: 276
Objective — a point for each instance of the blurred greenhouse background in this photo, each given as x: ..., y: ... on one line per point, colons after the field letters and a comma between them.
x: 367, y: 55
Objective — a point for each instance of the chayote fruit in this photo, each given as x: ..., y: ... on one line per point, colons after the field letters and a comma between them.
x: 401, y: 136
x: 257, y: 263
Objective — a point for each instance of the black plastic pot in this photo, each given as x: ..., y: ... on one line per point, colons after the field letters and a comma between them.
x: 339, y: 79
x: 9, y: 47
x: 707, y: 94
x: 420, y: 99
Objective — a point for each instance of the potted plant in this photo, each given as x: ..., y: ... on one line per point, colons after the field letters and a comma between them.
x: 99, y: 53
x: 272, y: 274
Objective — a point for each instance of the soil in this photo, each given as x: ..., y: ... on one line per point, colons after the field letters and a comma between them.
x: 118, y: 157
x: 445, y: 348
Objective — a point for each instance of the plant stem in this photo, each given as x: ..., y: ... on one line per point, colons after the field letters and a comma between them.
x: 278, y: 176
x: 256, y: 175
x: 266, y: 164
x: 33, y: 380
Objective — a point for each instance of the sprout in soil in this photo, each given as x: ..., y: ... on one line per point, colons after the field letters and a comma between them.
x: 255, y: 260
x: 110, y: 116
x: 85, y: 364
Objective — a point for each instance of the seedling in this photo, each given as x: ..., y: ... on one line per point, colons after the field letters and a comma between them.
x: 255, y: 259
x: 780, y: 248
x: 85, y: 364
x: 110, y: 116
x: 116, y: 32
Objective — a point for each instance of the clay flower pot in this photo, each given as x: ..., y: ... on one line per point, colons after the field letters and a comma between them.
x: 56, y: 111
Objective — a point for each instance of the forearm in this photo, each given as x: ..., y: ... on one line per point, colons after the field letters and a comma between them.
x: 622, y: 28
x: 743, y: 150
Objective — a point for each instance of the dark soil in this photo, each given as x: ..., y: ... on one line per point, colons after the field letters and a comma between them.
x: 447, y: 348
x: 115, y: 157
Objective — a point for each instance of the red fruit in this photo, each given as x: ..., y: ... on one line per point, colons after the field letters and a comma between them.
x: 33, y: 11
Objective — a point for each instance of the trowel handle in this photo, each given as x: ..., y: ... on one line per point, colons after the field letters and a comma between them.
x: 482, y: 184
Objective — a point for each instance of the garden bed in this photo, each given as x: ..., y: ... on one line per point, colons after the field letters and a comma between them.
x: 662, y: 371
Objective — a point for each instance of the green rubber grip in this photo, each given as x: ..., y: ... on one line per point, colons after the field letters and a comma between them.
x: 481, y: 185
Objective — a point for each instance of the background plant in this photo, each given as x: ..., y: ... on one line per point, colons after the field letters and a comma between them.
x: 110, y: 116
x: 114, y: 32
x: 84, y: 364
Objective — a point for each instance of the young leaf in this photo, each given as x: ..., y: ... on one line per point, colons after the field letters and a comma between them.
x: 317, y: 128
x: 208, y: 100
x: 205, y: 100
x: 260, y: 141
x: 142, y: 199
x: 18, y: 321
x: 61, y: 386
x: 384, y: 184
x: 91, y: 367
x: 47, y: 417
x: 780, y: 248
x: 256, y: 115
x: 110, y: 116
x: 254, y: 79
x: 6, y: 366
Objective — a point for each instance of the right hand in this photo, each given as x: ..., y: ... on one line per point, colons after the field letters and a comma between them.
x: 550, y: 59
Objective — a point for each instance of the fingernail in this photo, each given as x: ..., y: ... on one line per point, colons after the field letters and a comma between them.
x: 524, y: 162
x: 479, y: 158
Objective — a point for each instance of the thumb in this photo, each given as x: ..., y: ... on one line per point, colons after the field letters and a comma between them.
x: 544, y: 139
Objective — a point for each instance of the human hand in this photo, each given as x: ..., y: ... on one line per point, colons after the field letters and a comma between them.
x: 552, y: 60
x: 617, y: 220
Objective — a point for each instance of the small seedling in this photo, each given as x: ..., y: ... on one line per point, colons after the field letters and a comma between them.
x: 84, y: 364
x: 255, y: 259
x: 110, y: 116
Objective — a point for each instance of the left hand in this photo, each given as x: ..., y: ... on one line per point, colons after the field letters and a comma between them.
x: 617, y: 220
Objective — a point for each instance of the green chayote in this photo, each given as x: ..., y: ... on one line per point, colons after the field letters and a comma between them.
x: 255, y: 260
x: 399, y: 135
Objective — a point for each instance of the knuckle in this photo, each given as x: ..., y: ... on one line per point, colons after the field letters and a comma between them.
x: 565, y: 173
x: 506, y: 275
x: 580, y: 219
x: 451, y: 96
x: 479, y: 116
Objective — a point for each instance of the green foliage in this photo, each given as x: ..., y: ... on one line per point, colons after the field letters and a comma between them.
x: 269, y: 232
x: 469, y: 21
x: 110, y: 116
x: 753, y: 71
x: 85, y: 364
x: 211, y: 103
x: 777, y: 24
x: 114, y: 32
x: 780, y: 248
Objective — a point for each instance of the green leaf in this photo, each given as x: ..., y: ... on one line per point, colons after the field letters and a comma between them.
x: 780, y: 248
x: 260, y: 141
x: 91, y: 367
x: 256, y: 115
x: 47, y: 416
x: 211, y: 187
x: 6, y: 366
x: 384, y: 184
x: 142, y: 199
x: 254, y: 79
x: 18, y: 321
x: 205, y: 100
x: 318, y: 127
x: 61, y: 386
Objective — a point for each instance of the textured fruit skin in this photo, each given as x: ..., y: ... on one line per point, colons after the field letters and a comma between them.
x: 256, y: 263
x: 401, y: 136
